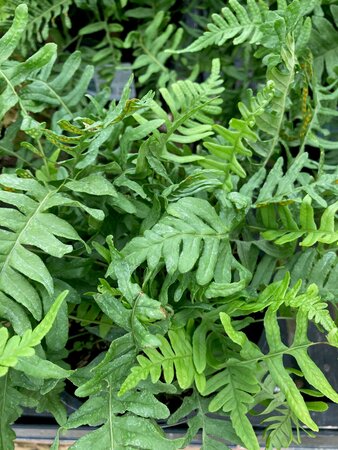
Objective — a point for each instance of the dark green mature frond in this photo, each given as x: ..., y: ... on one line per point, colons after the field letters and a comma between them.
x: 42, y: 16
x: 123, y: 421
x: 26, y: 223
x: 236, y: 23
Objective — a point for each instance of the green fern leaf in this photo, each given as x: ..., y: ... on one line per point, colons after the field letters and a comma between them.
x: 150, y: 53
x: 64, y: 91
x: 237, y: 23
x: 235, y: 387
x: 13, y: 75
x: 271, y: 122
x: 323, y: 43
x: 127, y: 430
x: 27, y: 223
x: 192, y: 106
x: 233, y: 145
x: 279, y: 430
x: 106, y: 408
x: 214, y: 430
x: 191, y: 222
x: 277, y: 185
x: 325, y: 108
x: 171, y: 358
x: 89, y: 134
x: 16, y: 349
x: 141, y: 311
x: 326, y: 232
x: 42, y: 15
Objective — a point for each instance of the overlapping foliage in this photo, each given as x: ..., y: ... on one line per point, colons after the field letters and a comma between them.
x: 155, y: 232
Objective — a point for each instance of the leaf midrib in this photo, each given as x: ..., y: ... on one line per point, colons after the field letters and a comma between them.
x: 17, y: 241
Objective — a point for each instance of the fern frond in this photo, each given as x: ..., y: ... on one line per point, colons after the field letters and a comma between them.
x: 236, y: 23
x: 192, y: 106
x: 105, y: 54
x: 16, y: 73
x: 42, y: 16
x: 224, y: 153
x: 270, y: 122
x: 150, y: 48
x: 140, y: 313
x: 89, y: 134
x: 315, y: 268
x: 174, y: 357
x: 121, y: 421
x: 64, y: 90
x: 278, y: 185
x: 308, y: 305
x: 26, y: 223
x: 235, y: 388
x: 13, y: 349
x: 215, y: 430
x: 312, y: 305
x: 323, y: 43
x: 326, y: 232
x: 29, y: 85
x: 278, y: 432
x: 191, y: 222
x: 325, y: 100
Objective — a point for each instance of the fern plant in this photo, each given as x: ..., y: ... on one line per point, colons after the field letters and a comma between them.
x: 42, y: 17
x: 168, y: 255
